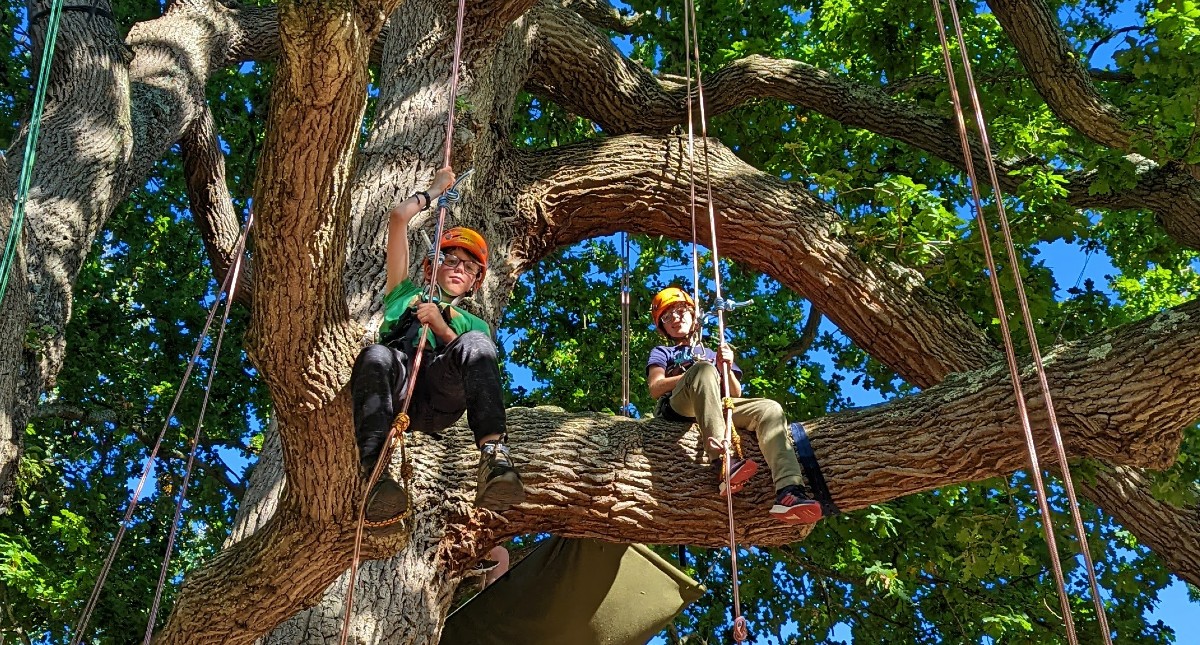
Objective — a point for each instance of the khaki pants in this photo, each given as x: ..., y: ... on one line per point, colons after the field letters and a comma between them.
x: 698, y: 395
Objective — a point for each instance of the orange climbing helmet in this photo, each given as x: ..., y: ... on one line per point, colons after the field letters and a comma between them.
x: 469, y: 240
x: 664, y: 300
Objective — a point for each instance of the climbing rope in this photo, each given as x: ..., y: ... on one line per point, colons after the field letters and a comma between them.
x: 691, y: 154
x: 1026, y: 317
x: 626, y: 406
x: 232, y: 276
x: 396, y: 433
x: 228, y: 286
x: 31, y: 137
x: 691, y: 43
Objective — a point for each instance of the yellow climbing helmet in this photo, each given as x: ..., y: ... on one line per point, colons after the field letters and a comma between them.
x: 664, y: 300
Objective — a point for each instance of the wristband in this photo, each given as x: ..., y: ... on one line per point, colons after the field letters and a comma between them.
x: 419, y: 194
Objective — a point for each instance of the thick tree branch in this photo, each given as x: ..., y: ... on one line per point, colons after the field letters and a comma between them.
x: 493, y: 16
x: 1127, y: 395
x: 82, y: 153
x: 616, y: 183
x: 579, y: 67
x: 578, y: 192
x: 1058, y: 72
x: 175, y: 55
x: 301, y: 337
x: 14, y: 316
x: 1172, y: 533
x: 605, y: 16
x: 212, y: 205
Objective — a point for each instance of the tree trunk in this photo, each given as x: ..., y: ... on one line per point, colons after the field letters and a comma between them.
x: 318, y: 274
x: 81, y: 154
x: 14, y: 316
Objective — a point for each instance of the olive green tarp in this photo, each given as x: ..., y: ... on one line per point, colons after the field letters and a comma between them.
x: 576, y: 592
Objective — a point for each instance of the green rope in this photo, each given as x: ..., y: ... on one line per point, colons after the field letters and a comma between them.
x: 35, y: 128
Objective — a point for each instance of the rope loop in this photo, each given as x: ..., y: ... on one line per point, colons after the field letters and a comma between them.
x: 741, y: 630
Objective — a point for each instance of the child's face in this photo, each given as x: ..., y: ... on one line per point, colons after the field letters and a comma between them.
x: 677, y: 321
x: 458, y: 272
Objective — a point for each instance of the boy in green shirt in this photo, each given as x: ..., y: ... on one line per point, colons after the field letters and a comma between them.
x: 458, y: 373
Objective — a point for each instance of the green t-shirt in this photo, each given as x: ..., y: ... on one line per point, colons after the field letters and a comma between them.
x: 406, y: 294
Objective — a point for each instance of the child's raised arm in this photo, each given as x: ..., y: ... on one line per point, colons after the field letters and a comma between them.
x: 398, y: 219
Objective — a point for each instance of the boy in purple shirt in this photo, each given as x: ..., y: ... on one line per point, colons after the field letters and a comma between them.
x: 687, y: 386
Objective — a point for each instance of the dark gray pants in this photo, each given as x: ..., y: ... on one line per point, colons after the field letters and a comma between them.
x: 462, y: 376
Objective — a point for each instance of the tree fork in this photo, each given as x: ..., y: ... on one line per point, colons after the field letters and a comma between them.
x: 591, y: 77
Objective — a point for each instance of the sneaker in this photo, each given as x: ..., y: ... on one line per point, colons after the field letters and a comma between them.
x: 740, y: 472
x: 387, y: 503
x: 793, y: 506
x: 500, y: 485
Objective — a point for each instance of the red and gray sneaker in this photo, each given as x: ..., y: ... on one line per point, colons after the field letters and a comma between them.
x: 740, y: 472
x: 793, y: 506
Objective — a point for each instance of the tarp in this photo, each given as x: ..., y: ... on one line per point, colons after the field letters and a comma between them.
x: 576, y: 592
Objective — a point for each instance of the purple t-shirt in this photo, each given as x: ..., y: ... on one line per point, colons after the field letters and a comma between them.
x: 675, y: 360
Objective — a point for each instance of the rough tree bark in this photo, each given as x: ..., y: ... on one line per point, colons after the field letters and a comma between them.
x: 319, y: 269
x: 1125, y: 398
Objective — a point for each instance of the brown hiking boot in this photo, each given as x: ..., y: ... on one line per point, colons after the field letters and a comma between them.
x: 500, y: 485
x: 387, y: 503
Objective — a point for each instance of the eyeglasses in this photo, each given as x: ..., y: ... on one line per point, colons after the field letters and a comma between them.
x: 678, y: 313
x: 453, y: 262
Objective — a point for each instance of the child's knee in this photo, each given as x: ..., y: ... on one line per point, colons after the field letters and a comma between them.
x: 478, y: 345
x: 773, y: 413
x: 702, y: 372
x: 372, y: 361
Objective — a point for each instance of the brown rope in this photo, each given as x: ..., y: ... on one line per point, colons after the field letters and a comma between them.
x: 625, y: 392
x: 1010, y: 352
x: 227, y: 286
x: 396, y: 434
x: 691, y: 42
x: 691, y: 153
x: 187, y: 474
x: 385, y: 454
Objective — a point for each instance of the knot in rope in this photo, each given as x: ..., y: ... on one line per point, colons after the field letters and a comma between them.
x: 453, y: 194
x: 729, y: 304
x: 741, y: 630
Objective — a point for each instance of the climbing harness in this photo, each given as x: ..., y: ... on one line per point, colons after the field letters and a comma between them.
x: 691, y: 42
x: 31, y: 137
x: 1009, y: 350
x: 396, y: 432
x: 228, y: 287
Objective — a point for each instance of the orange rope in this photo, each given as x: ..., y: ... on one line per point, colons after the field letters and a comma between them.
x: 690, y: 31
x: 1009, y: 350
x: 385, y: 453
